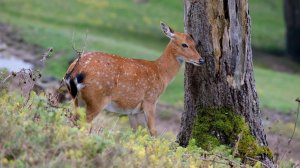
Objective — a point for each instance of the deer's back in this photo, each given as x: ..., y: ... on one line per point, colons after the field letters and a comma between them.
x: 127, y: 82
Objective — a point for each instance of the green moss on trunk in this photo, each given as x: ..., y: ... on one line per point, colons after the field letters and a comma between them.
x: 222, y: 126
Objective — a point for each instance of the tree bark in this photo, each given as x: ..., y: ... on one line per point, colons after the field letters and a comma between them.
x: 221, y: 29
x: 292, y: 19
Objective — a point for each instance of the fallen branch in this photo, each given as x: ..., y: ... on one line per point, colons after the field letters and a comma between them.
x: 46, y: 55
x: 235, y: 152
x: 257, y: 161
x: 295, y: 126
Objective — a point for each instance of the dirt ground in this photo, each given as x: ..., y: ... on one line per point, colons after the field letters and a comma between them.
x: 169, y: 117
x: 12, y: 44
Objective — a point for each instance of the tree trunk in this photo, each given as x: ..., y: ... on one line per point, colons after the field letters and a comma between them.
x: 292, y: 19
x: 221, y: 29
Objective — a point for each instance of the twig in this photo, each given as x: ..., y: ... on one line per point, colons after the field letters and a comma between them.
x: 79, y: 53
x: 46, y: 55
x: 295, y: 126
x: 84, y: 46
x: 257, y: 161
x: 214, y: 161
x: 6, y: 79
x: 85, y: 42
x: 113, y: 128
x: 91, y: 129
x: 237, y: 144
x: 226, y: 158
x: 163, y: 133
x: 100, y: 130
x: 73, y: 46
x: 27, y: 78
x: 229, y: 161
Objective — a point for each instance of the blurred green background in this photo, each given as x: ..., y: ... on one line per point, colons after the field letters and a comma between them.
x: 131, y: 29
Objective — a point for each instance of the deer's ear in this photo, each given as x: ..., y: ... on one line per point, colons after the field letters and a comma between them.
x: 168, y: 31
x: 192, y: 36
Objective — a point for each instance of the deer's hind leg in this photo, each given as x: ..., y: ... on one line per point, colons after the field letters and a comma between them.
x: 95, y: 103
x: 94, y: 107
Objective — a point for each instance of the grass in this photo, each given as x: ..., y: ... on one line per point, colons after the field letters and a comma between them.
x: 277, y: 90
x: 126, y: 28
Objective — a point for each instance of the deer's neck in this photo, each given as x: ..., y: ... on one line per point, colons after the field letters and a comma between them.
x: 167, y: 64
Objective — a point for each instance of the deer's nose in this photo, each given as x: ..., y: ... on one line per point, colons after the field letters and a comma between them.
x: 201, y: 61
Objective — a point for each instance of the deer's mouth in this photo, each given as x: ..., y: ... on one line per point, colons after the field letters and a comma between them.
x: 194, y: 63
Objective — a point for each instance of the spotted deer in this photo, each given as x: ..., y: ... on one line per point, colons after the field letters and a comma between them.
x: 129, y: 86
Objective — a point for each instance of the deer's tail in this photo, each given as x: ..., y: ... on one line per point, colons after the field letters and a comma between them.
x: 74, y: 84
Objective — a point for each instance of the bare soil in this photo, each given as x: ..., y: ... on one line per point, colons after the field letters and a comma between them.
x: 168, y: 116
x: 278, y: 62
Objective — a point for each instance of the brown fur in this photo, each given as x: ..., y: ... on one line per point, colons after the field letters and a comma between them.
x: 130, y: 83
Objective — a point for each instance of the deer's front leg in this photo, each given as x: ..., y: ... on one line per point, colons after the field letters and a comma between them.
x: 149, y: 111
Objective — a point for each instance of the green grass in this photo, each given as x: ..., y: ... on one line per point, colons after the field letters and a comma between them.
x: 130, y: 29
x: 277, y: 90
x: 126, y: 20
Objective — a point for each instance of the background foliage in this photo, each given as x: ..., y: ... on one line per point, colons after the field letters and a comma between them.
x: 131, y: 29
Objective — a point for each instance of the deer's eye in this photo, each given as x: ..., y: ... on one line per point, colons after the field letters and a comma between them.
x: 184, y: 45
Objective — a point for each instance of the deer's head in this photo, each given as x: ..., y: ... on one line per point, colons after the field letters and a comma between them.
x: 184, y: 46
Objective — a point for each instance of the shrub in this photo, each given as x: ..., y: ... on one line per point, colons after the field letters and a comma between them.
x: 42, y: 136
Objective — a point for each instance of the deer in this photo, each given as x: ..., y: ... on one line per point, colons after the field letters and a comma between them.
x: 127, y: 85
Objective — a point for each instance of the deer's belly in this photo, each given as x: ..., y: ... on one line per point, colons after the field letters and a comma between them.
x: 114, y: 107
